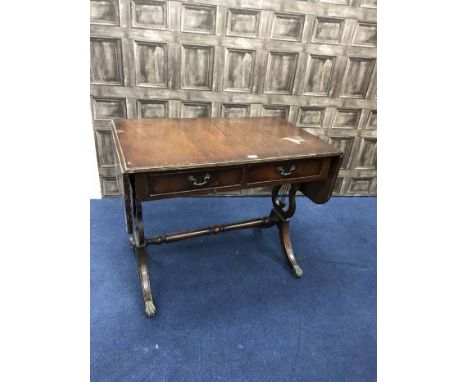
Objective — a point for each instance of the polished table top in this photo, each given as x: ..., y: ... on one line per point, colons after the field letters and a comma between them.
x: 169, y: 144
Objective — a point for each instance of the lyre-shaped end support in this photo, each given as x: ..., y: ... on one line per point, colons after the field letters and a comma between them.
x: 280, y: 207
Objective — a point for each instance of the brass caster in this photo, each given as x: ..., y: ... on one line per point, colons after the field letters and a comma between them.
x: 297, y: 271
x: 150, y: 309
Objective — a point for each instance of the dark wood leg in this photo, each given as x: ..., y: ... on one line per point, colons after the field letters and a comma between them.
x: 139, y: 244
x: 286, y: 246
x: 142, y: 261
x: 281, y: 215
x: 127, y: 203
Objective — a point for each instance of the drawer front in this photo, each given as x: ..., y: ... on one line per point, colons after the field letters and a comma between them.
x: 159, y: 184
x: 308, y: 168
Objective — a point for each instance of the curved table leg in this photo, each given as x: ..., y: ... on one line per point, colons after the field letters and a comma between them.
x: 286, y: 246
x: 142, y: 261
x: 282, y: 215
x: 139, y: 244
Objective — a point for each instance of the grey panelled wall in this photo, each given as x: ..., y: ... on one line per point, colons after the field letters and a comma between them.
x: 311, y: 62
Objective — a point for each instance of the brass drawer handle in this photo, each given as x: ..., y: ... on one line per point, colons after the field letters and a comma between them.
x: 194, y: 181
x: 283, y: 172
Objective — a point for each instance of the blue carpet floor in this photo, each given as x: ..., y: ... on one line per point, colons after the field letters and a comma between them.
x: 228, y: 307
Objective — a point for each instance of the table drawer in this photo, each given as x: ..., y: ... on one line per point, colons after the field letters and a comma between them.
x: 310, y: 168
x: 159, y: 184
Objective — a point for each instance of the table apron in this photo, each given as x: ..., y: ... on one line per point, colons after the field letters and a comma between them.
x: 200, y: 181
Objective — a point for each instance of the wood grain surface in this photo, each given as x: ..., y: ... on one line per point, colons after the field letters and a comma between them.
x: 173, y: 144
x: 312, y: 63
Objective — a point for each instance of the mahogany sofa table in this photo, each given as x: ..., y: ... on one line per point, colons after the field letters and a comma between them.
x: 166, y: 158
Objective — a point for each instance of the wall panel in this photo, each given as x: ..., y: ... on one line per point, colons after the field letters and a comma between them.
x: 310, y: 62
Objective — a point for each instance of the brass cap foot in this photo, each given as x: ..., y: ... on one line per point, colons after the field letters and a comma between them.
x: 298, y: 271
x: 150, y: 309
